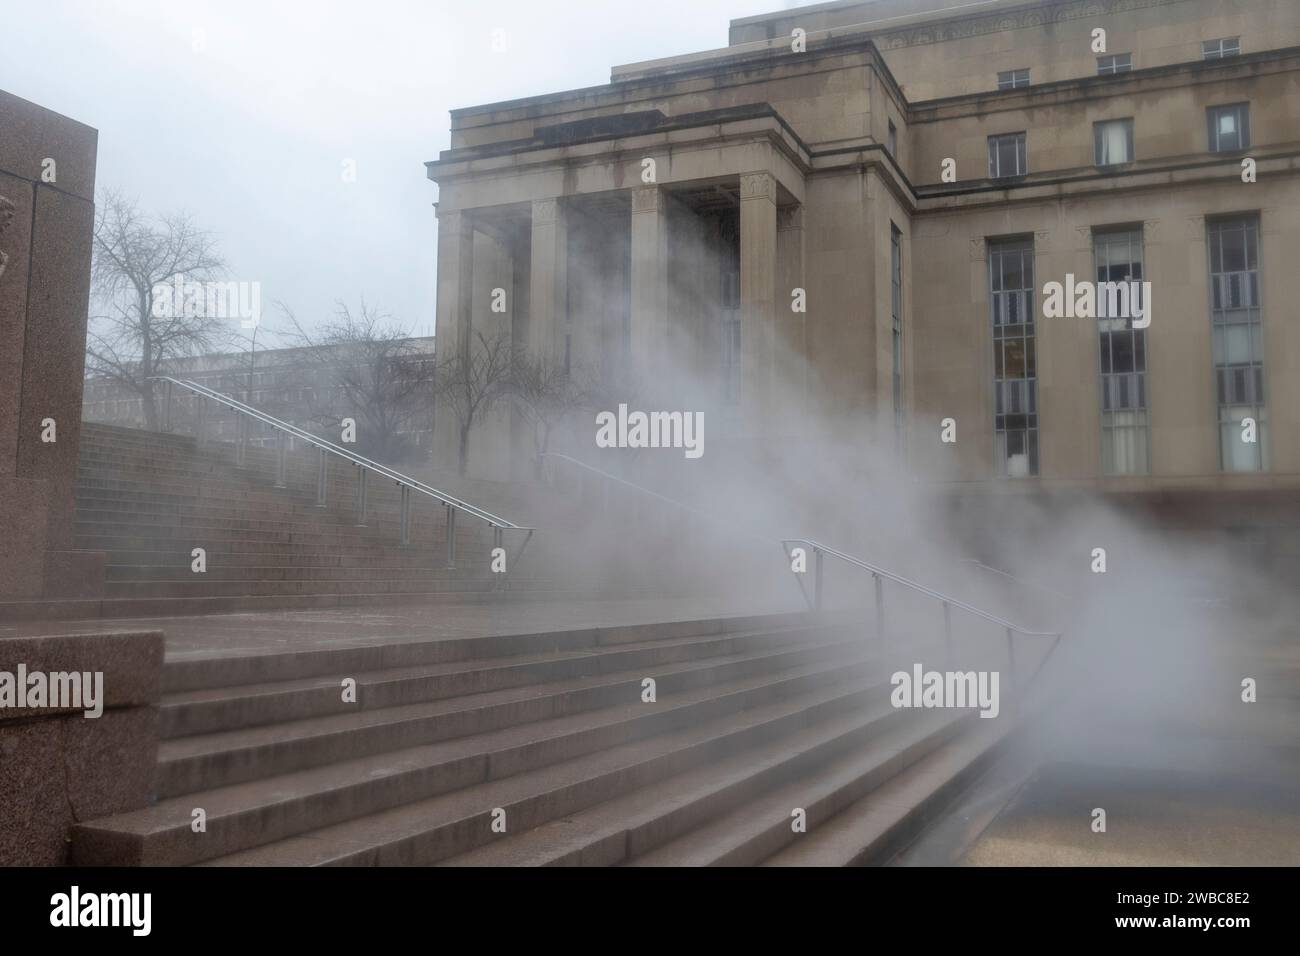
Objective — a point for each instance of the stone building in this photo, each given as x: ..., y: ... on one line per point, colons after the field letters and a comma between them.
x: 922, y: 177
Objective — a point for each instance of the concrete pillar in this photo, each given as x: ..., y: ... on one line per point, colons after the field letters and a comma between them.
x: 454, y: 318
x: 758, y: 294
x: 548, y: 299
x: 649, y: 283
x: 791, y: 367
x: 455, y: 279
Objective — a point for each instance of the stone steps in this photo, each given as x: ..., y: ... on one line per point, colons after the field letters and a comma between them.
x: 735, y: 812
x: 147, y: 500
x: 877, y: 826
x: 271, y: 587
x: 179, y: 571
x: 751, y: 713
x: 288, y: 548
x: 202, y: 761
x: 82, y: 609
x: 434, y: 828
x: 248, y: 815
x: 251, y: 705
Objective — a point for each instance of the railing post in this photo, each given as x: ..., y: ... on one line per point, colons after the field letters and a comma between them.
x: 817, y: 579
x: 241, y: 440
x: 451, y: 538
x: 406, y: 516
x: 361, y: 496
x: 947, y: 634
x: 496, y: 543
x: 322, y: 479
x: 167, y: 409
x: 880, y: 608
x: 281, y: 459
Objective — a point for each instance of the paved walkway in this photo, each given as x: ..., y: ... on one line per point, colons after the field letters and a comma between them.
x: 236, y: 634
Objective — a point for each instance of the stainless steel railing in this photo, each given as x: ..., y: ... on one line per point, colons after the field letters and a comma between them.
x: 364, y: 466
x: 879, y: 575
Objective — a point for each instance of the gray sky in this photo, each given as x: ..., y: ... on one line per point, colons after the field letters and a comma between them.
x: 250, y: 132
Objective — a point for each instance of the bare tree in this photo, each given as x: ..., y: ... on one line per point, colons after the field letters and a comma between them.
x: 472, y: 381
x: 546, y: 394
x: 129, y: 339
x: 365, y: 365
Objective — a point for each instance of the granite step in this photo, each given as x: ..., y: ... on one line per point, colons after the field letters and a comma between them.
x: 587, y: 755
x: 216, y: 759
x: 738, y: 807
x: 763, y: 825
x: 230, y: 708
x: 879, y: 825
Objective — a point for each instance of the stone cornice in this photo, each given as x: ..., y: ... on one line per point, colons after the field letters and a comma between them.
x: 756, y: 121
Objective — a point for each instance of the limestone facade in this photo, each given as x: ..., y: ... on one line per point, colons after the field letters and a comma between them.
x: 820, y: 165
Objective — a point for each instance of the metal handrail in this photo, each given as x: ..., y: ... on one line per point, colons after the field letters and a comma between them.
x: 880, y: 575
x: 817, y: 548
x: 923, y: 589
x: 405, y: 482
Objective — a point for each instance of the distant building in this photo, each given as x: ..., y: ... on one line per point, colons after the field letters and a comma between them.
x: 924, y: 173
x: 303, y: 386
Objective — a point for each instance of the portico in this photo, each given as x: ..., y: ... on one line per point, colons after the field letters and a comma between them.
x: 655, y: 250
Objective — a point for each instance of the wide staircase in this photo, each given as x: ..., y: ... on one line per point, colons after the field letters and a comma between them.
x: 769, y: 739
x: 148, y: 499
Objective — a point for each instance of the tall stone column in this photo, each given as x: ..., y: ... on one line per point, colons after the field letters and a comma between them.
x: 758, y: 295
x: 791, y: 365
x: 455, y: 279
x: 454, y: 317
x: 548, y: 300
x: 649, y: 280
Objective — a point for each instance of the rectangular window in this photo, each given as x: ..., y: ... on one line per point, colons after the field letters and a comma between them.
x: 1007, y: 155
x: 1015, y: 365
x: 1112, y: 142
x: 1125, y: 434
x: 896, y: 311
x: 1115, y: 63
x: 1237, y: 328
x: 1218, y: 49
x: 893, y: 140
x: 1229, y: 127
x: 1013, y: 79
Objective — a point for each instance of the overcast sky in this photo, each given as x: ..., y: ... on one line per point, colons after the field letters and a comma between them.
x: 248, y: 132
